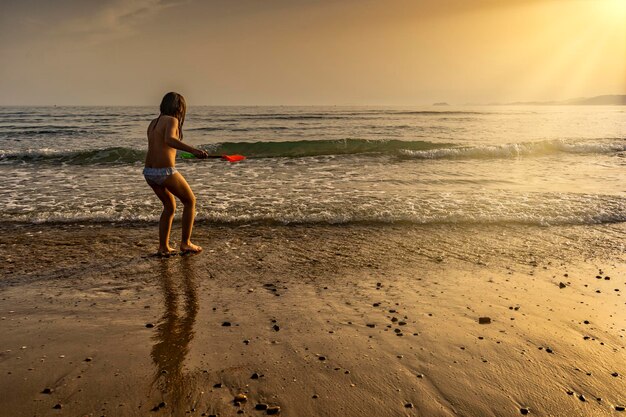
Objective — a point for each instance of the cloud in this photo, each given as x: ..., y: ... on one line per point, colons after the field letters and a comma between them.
x: 111, y: 18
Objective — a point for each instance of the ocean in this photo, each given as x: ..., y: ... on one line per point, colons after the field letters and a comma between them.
x: 533, y: 165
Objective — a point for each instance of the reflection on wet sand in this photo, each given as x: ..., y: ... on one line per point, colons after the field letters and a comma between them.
x: 175, y: 330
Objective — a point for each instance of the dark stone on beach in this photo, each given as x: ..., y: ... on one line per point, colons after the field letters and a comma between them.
x: 246, y: 342
x: 402, y: 323
x: 397, y: 330
x: 226, y: 324
x: 371, y: 325
x: 379, y: 284
x: 484, y: 320
x: 260, y: 406
x: 420, y: 376
x: 561, y: 285
x: 598, y: 291
x: 254, y: 376
x: 376, y: 304
x: 570, y: 392
x: 586, y: 321
x: 619, y: 408
x: 394, y: 319
x: 88, y: 359
x: 586, y: 337
x: 408, y: 405
x: 149, y: 325
x: 218, y: 385
x: 615, y: 374
x: 392, y: 311
x: 607, y: 278
x: 57, y: 406
x: 524, y: 410
x: 565, y: 275
x: 549, y: 350
x: 276, y: 327
x: 47, y: 391
x: 582, y: 397
x: 598, y: 277
x: 273, y: 410
x: 322, y: 358
x: 315, y: 396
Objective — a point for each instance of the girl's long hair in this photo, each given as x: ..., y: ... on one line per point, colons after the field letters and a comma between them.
x: 173, y: 104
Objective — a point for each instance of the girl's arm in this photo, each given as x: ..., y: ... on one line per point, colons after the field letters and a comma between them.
x: 171, y: 139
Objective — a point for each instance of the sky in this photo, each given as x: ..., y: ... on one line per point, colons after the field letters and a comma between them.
x: 309, y: 52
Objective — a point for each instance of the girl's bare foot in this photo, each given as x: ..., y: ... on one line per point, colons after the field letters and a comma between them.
x: 166, y: 252
x: 190, y: 248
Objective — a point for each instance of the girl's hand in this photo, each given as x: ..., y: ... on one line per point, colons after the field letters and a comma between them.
x: 199, y: 153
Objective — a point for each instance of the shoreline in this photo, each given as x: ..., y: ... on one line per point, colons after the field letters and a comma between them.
x: 74, y: 318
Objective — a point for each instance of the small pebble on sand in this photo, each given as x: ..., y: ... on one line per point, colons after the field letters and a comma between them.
x: 524, y: 410
x: 484, y: 320
x: 260, y: 406
x: 226, y: 324
x: 562, y: 285
x: 240, y: 398
x: 149, y: 325
x: 408, y: 405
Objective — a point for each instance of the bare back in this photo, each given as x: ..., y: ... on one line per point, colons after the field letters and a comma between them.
x: 160, y: 154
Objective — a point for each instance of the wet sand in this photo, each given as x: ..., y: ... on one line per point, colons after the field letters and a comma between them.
x: 317, y: 320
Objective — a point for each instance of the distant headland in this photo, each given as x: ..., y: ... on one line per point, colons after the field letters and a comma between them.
x: 606, y: 100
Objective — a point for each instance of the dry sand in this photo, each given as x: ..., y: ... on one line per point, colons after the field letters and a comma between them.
x: 357, y: 320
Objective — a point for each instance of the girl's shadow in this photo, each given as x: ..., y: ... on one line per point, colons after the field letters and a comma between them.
x: 175, y: 329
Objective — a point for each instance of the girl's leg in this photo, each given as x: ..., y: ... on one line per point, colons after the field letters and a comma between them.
x: 165, y: 223
x: 177, y: 185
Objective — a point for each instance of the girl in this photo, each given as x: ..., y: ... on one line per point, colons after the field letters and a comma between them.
x: 165, y: 135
